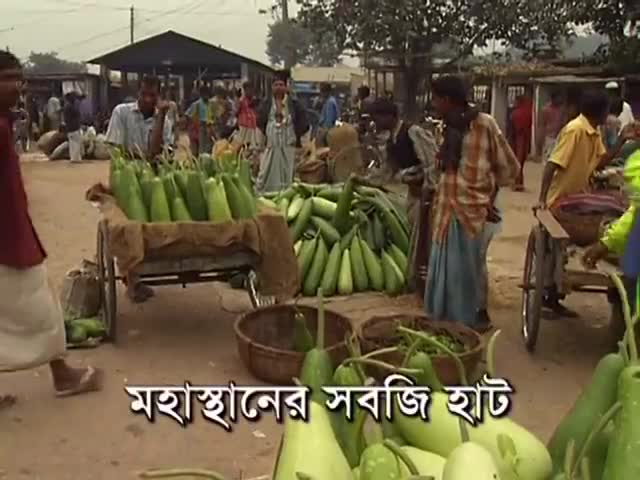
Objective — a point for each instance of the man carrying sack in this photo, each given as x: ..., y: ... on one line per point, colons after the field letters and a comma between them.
x: 31, y: 321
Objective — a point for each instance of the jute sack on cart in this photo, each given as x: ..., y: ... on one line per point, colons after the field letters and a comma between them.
x: 267, y: 236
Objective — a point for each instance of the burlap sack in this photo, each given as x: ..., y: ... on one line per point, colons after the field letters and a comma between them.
x: 50, y: 141
x: 80, y: 293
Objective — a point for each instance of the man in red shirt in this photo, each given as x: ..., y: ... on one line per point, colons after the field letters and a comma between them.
x: 31, y: 321
x: 522, y: 121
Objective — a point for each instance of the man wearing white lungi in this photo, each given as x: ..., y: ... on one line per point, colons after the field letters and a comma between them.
x: 31, y: 321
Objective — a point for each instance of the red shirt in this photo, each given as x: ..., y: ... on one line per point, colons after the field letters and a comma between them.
x: 246, y: 114
x: 20, y: 246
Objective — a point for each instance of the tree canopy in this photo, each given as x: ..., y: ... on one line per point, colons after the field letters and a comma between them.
x: 410, y: 31
x: 292, y: 43
x: 50, y: 63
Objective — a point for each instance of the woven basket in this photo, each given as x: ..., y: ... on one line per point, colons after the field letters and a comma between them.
x: 381, y: 332
x: 583, y: 230
x: 265, y: 341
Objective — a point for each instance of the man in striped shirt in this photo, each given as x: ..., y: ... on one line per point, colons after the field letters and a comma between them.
x: 475, y: 160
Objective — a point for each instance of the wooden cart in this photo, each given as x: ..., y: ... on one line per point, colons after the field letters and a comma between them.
x: 182, y: 271
x: 551, y: 255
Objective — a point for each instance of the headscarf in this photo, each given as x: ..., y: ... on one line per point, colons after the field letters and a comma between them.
x: 457, y: 124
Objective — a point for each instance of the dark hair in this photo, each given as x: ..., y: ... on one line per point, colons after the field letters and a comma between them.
x: 247, y: 84
x: 325, y: 87
x: 595, y: 104
x: 451, y: 87
x: 151, y: 81
x: 616, y: 107
x: 204, y: 90
x: 574, y: 95
x: 383, y: 106
x: 8, y: 60
x: 366, y: 91
x: 556, y: 96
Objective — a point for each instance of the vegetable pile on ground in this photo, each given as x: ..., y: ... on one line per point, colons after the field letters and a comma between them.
x: 79, y: 331
x: 599, y: 439
x: 329, y: 446
x: 348, y: 238
x: 203, y: 190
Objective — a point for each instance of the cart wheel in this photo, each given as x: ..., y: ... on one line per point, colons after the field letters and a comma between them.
x: 107, y: 277
x: 533, y: 287
x: 257, y: 300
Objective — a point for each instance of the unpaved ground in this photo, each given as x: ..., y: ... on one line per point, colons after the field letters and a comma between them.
x: 186, y: 334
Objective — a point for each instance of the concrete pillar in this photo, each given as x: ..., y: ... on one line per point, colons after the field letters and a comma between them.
x: 499, y: 103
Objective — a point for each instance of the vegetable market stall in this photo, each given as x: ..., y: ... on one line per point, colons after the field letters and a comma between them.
x: 139, y: 235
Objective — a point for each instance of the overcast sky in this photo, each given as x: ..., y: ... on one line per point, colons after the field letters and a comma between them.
x: 82, y: 29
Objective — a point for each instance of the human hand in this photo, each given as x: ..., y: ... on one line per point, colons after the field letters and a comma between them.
x: 494, y: 215
x: 539, y: 206
x: 594, y: 254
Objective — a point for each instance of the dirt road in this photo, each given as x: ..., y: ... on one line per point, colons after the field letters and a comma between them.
x: 186, y: 334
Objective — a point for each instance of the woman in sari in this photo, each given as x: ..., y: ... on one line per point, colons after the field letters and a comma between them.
x: 283, y: 121
x: 475, y: 161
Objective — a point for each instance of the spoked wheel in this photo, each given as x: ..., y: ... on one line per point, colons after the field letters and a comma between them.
x: 107, y: 278
x: 257, y: 300
x: 533, y: 288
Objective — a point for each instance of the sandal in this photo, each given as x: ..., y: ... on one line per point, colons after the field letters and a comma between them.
x: 91, y: 381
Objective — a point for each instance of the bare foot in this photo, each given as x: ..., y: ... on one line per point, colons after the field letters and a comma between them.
x: 76, y: 381
x: 7, y: 401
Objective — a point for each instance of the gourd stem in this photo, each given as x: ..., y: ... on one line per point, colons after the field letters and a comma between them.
x: 626, y: 310
x: 177, y: 473
x: 320, y: 334
x: 585, y: 471
x: 354, y: 351
x: 624, y: 352
x: 491, y: 354
x: 456, y: 359
x: 412, y: 349
x: 361, y: 419
x: 600, y: 426
x: 382, y: 351
x: 569, y: 456
x: 401, y: 454
x: 464, y: 431
x: 383, y: 365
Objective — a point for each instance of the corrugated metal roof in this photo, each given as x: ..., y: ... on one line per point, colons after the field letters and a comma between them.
x: 176, y: 51
x: 576, y: 79
x: 338, y: 74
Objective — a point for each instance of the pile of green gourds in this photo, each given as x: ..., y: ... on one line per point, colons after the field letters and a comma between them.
x: 599, y: 439
x: 328, y: 446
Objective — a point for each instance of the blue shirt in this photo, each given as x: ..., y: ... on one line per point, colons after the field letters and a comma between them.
x: 330, y: 113
x: 201, y: 109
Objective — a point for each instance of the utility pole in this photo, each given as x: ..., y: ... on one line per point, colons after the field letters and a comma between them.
x: 131, y: 23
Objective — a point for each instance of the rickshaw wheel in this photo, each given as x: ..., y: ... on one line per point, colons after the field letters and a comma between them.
x: 107, y: 278
x: 533, y: 288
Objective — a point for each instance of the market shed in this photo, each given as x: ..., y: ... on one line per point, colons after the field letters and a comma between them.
x: 183, y: 62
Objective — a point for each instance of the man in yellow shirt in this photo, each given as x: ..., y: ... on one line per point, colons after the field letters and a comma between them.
x: 578, y: 153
